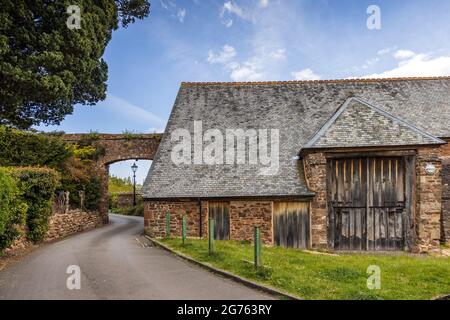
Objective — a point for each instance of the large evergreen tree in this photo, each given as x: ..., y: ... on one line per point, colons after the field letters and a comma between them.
x: 45, y: 66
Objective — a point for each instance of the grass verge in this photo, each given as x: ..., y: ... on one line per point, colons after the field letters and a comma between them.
x: 312, y: 276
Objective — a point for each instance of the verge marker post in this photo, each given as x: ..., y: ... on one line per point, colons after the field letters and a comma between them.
x: 167, y: 225
x: 183, y: 230
x: 257, y: 247
x: 211, y: 246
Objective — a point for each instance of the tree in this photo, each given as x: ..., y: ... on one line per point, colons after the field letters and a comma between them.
x: 45, y: 66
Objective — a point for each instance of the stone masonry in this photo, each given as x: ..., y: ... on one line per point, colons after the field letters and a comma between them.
x: 118, y: 147
x: 445, y: 218
x: 62, y: 225
x: 315, y: 165
x: 244, y: 216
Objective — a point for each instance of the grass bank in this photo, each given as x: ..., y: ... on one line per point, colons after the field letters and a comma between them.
x: 312, y: 276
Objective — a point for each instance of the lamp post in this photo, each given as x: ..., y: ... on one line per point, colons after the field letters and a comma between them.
x: 134, y: 168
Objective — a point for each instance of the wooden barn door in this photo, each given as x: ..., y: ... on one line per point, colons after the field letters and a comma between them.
x: 220, y: 212
x: 368, y: 209
x: 291, y: 224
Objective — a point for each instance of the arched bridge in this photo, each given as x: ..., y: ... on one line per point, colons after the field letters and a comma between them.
x: 117, y: 147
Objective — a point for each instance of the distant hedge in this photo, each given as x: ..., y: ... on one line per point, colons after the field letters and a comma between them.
x: 38, y: 186
x: 24, y: 148
x: 12, y: 209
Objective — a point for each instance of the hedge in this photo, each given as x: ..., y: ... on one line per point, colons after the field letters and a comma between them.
x: 24, y: 148
x: 38, y: 187
x: 12, y: 209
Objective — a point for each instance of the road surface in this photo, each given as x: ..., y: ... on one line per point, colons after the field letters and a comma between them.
x: 114, y: 264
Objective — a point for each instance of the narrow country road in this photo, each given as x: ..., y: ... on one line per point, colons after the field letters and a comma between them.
x: 114, y: 265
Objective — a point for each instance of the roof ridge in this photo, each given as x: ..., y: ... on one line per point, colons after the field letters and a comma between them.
x: 287, y: 82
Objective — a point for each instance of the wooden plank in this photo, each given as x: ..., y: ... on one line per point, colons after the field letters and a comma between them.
x: 291, y: 224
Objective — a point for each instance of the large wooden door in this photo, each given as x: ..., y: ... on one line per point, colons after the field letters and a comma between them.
x: 367, y: 201
x: 291, y: 224
x: 220, y: 212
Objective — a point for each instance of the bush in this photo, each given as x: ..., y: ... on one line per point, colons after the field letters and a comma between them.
x: 12, y: 209
x: 24, y: 148
x: 38, y: 187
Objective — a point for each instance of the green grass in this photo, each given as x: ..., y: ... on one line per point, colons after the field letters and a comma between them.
x: 312, y: 276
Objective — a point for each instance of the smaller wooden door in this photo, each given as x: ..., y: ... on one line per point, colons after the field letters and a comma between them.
x: 220, y: 212
x: 291, y: 224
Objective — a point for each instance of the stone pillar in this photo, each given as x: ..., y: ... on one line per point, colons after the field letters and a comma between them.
x: 103, y: 172
x: 429, y: 200
x: 315, y: 165
x: 445, y: 217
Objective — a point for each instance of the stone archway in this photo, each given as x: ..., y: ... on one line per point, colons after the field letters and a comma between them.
x: 117, y: 147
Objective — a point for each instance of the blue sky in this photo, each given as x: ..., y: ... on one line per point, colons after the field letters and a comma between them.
x: 257, y: 40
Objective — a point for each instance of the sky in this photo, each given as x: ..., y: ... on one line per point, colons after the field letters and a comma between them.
x: 257, y: 40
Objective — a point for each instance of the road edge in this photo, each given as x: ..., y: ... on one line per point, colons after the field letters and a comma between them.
x: 227, y: 274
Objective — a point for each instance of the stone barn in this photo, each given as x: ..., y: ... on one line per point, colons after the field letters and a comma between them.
x: 356, y: 165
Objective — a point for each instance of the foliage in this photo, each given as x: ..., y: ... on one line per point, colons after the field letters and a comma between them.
x: 38, y: 186
x: 75, y: 162
x: 130, y: 135
x: 47, y: 68
x: 24, y: 148
x: 321, y: 276
x: 12, y: 209
x: 137, y: 211
x: 117, y: 184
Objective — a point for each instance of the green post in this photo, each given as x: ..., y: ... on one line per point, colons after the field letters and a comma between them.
x: 257, y: 242
x: 183, y: 230
x: 210, y: 236
x: 168, y: 225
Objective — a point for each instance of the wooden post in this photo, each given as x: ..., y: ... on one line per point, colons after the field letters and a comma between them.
x: 257, y: 245
x: 183, y: 230
x: 168, y: 225
x: 211, y: 236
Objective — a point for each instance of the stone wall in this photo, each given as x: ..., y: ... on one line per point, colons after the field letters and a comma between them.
x: 244, y: 215
x: 155, y: 217
x: 62, y: 225
x: 445, y: 218
x: 428, y: 200
x: 125, y: 200
x: 315, y: 165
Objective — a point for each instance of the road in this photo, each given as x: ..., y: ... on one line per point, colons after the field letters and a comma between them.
x: 114, y: 265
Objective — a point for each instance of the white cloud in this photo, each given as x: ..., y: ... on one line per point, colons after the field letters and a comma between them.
x: 305, y: 74
x: 370, y: 63
x: 278, y: 54
x: 133, y: 112
x: 385, y: 51
x: 404, y: 54
x: 255, y: 68
x: 227, y: 53
x: 181, y: 14
x: 247, y: 71
x: 228, y: 23
x: 263, y: 3
x: 417, y: 65
x: 232, y: 8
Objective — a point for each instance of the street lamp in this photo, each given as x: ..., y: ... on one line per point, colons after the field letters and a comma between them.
x: 134, y: 168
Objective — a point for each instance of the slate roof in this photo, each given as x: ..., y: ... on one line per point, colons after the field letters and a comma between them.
x: 298, y: 110
x: 359, y: 124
